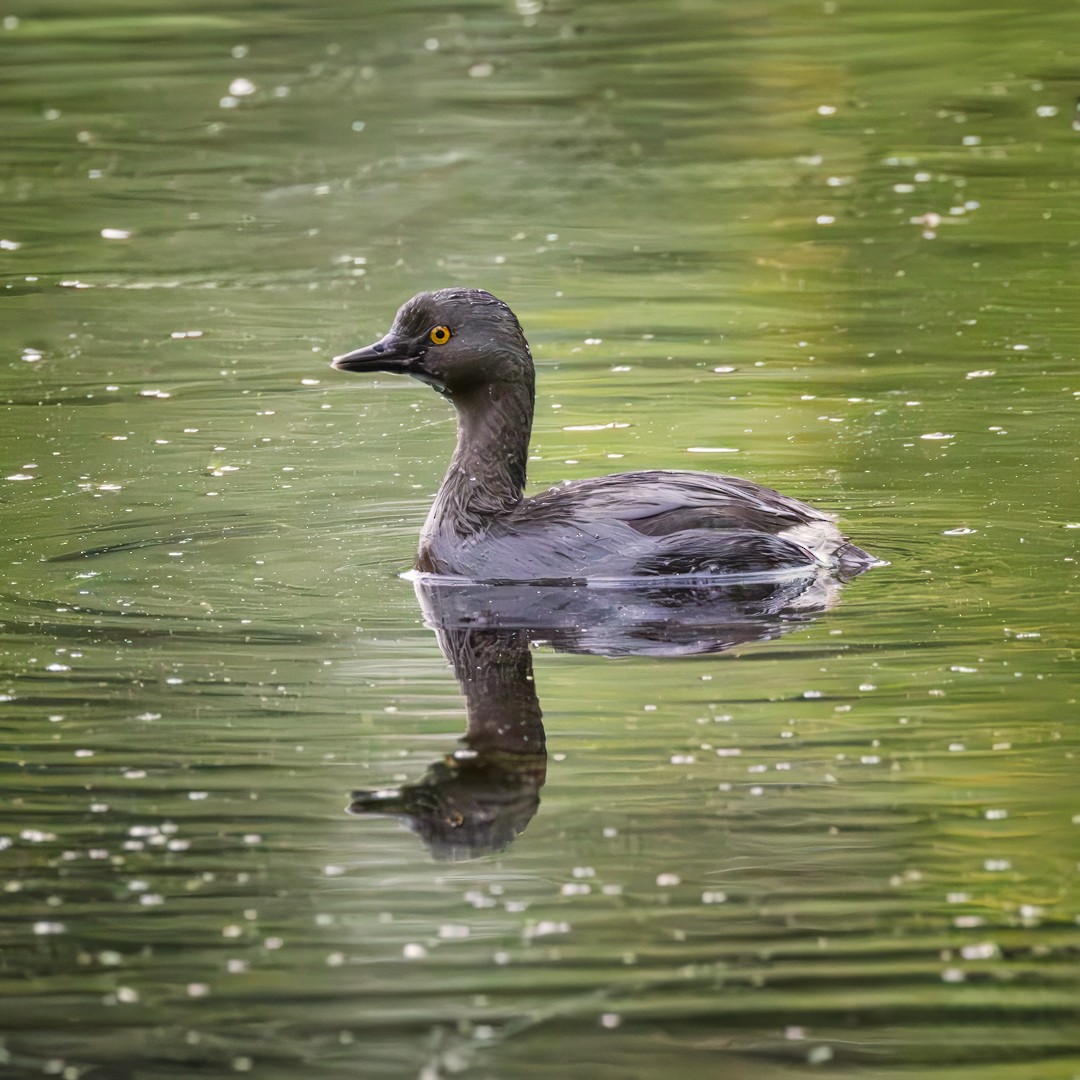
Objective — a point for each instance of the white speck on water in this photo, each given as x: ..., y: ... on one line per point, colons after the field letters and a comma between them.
x: 545, y: 928
x: 982, y: 373
x: 825, y: 219
x: 983, y: 951
x: 241, y: 87
x: 1046, y: 110
x: 819, y: 1055
x: 712, y: 450
x: 682, y: 759
x: 358, y: 126
x: 115, y: 234
x: 31, y: 355
x: 961, y: 531
x: 996, y: 866
x: 481, y: 70
x: 713, y: 897
x: 953, y: 975
x: 666, y: 881
x: 10, y: 245
x: 826, y: 110
x: 36, y: 836
x: 44, y: 927
x: 20, y: 476
x: 610, y: 1020
x: 937, y: 436
x: 995, y: 815
x: 971, y: 140
x: 575, y: 888
x: 453, y: 931
x: 1020, y: 348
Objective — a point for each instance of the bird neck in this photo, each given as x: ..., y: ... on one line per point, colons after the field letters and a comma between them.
x: 486, y: 476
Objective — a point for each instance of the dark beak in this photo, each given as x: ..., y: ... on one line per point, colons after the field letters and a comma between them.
x: 390, y: 353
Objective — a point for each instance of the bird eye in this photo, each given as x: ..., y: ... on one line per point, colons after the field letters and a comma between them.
x: 440, y: 335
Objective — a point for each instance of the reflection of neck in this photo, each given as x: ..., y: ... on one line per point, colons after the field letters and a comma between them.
x: 494, y: 668
x: 486, y: 476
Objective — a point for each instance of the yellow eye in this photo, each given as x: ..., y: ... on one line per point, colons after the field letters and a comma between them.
x: 440, y: 335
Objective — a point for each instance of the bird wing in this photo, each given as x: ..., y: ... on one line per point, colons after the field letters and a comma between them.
x: 659, y: 503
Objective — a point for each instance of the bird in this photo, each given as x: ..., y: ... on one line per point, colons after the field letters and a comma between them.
x: 469, y: 347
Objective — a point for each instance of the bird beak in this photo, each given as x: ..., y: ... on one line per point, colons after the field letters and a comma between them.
x: 390, y: 353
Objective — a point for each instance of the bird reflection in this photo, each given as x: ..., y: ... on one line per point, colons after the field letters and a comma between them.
x: 478, y: 798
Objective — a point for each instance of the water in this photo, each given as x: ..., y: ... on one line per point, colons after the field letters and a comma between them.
x: 832, y: 832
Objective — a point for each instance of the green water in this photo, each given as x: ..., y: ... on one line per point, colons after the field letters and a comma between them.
x: 831, y: 247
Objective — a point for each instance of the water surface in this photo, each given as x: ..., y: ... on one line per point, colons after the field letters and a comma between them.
x: 829, y: 247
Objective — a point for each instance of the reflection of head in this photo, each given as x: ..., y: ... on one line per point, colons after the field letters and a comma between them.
x: 467, y: 804
x: 477, y: 800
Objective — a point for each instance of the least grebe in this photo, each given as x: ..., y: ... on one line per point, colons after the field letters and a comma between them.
x: 469, y: 346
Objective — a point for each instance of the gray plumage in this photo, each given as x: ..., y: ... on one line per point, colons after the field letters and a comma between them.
x: 469, y: 346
